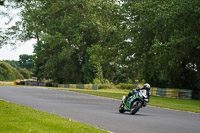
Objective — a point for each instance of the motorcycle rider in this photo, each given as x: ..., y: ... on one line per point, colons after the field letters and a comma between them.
x: 146, y: 87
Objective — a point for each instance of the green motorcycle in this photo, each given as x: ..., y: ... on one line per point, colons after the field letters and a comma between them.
x: 134, y: 103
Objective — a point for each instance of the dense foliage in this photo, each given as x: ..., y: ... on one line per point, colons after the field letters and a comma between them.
x: 26, y: 73
x: 8, y: 73
x: 13, y: 63
x: 157, y: 41
x: 26, y: 61
x: 166, y: 41
x: 65, y: 35
x: 11, y: 70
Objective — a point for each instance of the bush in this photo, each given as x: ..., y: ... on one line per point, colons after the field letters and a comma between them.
x: 96, y: 81
x: 126, y: 86
x: 103, y: 84
x: 6, y: 72
x: 17, y: 74
x: 26, y: 73
x: 102, y: 81
x: 106, y: 86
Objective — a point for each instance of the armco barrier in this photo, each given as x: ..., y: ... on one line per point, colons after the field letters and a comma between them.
x: 171, y: 93
x: 66, y: 85
x: 72, y: 86
x: 153, y: 91
x: 61, y: 85
x: 79, y: 86
x: 161, y: 92
x: 95, y: 87
x: 186, y: 94
x: 33, y: 83
x: 87, y: 86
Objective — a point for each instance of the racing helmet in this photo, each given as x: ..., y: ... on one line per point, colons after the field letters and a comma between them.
x: 147, y: 86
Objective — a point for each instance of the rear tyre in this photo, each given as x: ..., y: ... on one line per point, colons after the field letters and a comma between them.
x: 135, y: 107
x: 121, y: 108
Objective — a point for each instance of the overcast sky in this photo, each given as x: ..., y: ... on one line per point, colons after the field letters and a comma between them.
x: 12, y: 53
x: 9, y: 52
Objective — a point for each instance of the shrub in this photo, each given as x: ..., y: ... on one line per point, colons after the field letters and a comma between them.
x: 103, y: 84
x: 18, y: 75
x: 102, y: 81
x: 96, y: 81
x: 26, y: 73
x: 6, y: 72
x: 126, y: 86
x: 106, y: 86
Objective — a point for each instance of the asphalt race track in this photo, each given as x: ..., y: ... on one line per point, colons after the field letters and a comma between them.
x: 102, y: 112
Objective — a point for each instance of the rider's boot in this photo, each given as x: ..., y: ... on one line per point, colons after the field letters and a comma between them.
x: 125, y: 99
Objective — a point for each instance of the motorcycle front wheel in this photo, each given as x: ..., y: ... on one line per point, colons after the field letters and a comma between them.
x: 135, y: 107
x: 121, y: 108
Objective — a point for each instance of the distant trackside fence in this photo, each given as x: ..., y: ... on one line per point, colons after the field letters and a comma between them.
x: 76, y: 86
x: 171, y: 93
x: 79, y: 86
x: 160, y: 92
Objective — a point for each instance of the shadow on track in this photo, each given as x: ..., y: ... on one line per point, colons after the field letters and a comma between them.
x: 127, y: 113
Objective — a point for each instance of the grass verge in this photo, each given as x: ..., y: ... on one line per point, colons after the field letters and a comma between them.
x: 19, y: 119
x: 172, y: 103
x: 6, y: 83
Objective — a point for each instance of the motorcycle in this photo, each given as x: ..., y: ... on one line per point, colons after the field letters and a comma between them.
x: 134, y: 102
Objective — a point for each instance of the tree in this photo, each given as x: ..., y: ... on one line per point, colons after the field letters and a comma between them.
x: 64, y: 34
x: 156, y: 41
x: 1, y: 2
x: 26, y: 73
x: 8, y: 73
x: 26, y: 61
x: 13, y: 63
x: 165, y: 41
x: 8, y: 34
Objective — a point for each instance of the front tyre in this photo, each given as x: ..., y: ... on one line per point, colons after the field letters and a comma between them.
x: 135, y: 107
x: 121, y: 108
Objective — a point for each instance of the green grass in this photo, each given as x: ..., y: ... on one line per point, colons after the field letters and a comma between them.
x: 19, y: 119
x: 172, y: 103
x: 178, y: 104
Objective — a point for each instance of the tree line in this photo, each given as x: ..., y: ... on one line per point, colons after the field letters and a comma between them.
x: 79, y: 41
x: 17, y: 70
